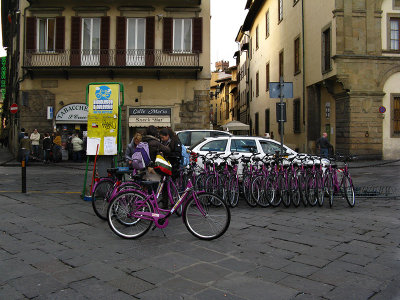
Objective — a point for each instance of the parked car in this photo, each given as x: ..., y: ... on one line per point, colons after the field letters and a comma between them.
x: 191, y: 137
x: 242, y: 145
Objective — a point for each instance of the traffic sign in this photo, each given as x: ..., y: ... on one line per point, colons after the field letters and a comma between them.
x: 382, y: 109
x: 14, y: 108
x: 280, y: 116
x: 275, y: 90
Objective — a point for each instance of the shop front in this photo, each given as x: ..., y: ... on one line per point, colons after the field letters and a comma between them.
x: 71, y: 119
x: 140, y: 118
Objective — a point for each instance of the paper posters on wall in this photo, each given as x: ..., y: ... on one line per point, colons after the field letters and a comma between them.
x: 92, y: 144
x: 103, y: 101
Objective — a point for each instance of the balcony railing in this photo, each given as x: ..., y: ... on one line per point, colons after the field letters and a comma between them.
x: 110, y: 58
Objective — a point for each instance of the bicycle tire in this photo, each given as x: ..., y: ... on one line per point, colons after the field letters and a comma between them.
x: 303, y: 189
x: 294, y: 191
x: 328, y: 189
x: 320, y: 189
x: 312, y: 190
x: 173, y: 195
x: 121, y: 215
x: 348, y: 190
x: 233, y: 192
x: 276, y: 200
x: 284, y: 191
x: 193, y: 216
x: 101, y: 198
x: 247, y: 192
x: 212, y: 187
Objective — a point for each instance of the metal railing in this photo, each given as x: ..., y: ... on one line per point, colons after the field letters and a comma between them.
x: 111, y: 58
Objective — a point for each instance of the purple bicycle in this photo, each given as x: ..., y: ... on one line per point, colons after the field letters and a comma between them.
x: 131, y: 213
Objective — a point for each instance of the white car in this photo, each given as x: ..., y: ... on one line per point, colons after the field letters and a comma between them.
x: 243, y: 145
x: 192, y: 137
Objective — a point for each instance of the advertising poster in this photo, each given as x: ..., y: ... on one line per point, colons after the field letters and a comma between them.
x: 102, y: 126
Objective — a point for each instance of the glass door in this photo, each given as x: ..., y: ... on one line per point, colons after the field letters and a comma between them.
x: 136, y: 42
x: 90, y: 42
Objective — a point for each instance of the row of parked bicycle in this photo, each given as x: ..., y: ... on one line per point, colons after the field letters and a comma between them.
x: 271, y: 180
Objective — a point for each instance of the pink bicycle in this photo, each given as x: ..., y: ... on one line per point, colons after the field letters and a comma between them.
x: 131, y: 213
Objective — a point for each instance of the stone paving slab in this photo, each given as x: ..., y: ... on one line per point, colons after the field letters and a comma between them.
x: 52, y: 246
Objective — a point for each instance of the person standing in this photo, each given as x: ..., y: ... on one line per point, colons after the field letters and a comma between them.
x: 46, y: 148
x: 21, y: 135
x: 35, y: 139
x: 323, y: 145
x: 76, y: 148
x: 170, y: 139
x: 57, y: 147
x: 137, y: 138
x: 25, y: 147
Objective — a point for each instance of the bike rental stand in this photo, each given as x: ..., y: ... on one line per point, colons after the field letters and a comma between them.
x: 102, y: 162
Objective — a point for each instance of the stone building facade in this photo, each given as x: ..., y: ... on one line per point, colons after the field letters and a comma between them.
x: 159, y: 51
x: 343, y: 57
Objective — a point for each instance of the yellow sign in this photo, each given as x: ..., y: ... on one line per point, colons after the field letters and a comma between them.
x: 102, y: 127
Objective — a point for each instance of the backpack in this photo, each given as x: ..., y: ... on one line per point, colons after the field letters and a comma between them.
x: 141, y: 156
x: 185, y: 156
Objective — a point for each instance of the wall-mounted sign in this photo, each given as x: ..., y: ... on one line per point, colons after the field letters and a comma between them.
x: 73, y: 114
x: 150, y: 111
x: 382, y: 109
x: 143, y: 117
x: 50, y: 113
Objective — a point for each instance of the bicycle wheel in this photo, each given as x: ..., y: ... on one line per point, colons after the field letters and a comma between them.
x: 101, y: 197
x: 348, y: 191
x: 276, y: 200
x: 200, y: 182
x: 303, y: 189
x: 294, y: 191
x: 174, y: 197
x: 247, y: 182
x: 284, y: 191
x: 205, y: 220
x: 312, y: 190
x: 233, y: 192
x: 320, y: 189
x: 258, y: 191
x: 124, y: 215
x: 328, y: 189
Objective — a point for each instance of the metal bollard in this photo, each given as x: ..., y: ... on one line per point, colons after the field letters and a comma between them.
x: 23, y: 169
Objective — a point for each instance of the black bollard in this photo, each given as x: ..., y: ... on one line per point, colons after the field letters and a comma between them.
x: 23, y: 165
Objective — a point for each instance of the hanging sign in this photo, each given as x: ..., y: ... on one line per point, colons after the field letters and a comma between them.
x: 102, y: 124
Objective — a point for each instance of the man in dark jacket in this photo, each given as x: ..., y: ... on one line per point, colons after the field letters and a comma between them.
x: 324, y: 145
x: 155, y: 146
x: 46, y: 148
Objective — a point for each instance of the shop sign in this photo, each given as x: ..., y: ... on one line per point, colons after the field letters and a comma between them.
x: 150, y: 111
x: 73, y: 113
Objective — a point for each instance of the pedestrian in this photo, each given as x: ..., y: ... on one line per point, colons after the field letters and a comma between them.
x: 25, y: 147
x: 21, y: 135
x: 155, y: 147
x: 76, y: 148
x: 130, y: 149
x: 170, y: 139
x: 46, y: 148
x: 57, y: 147
x: 35, y: 139
x: 323, y: 145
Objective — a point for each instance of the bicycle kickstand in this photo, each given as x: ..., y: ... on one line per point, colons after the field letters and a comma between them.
x: 154, y: 227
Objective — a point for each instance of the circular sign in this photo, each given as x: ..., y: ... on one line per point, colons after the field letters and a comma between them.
x: 382, y: 109
x: 13, y: 108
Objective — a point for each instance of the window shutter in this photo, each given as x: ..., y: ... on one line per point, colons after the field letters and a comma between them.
x: 60, y: 34
x: 167, y: 35
x: 150, y: 41
x: 104, y: 41
x: 198, y: 35
x: 121, y: 42
x: 30, y: 34
x: 75, y: 41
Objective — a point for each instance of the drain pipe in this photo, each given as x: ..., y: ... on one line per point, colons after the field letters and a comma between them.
x: 304, y: 73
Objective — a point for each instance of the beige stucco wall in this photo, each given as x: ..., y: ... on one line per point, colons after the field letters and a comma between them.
x: 391, y: 146
x: 318, y: 16
x: 387, y: 11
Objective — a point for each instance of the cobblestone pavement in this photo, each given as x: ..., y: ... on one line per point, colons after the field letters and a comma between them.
x: 52, y: 246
